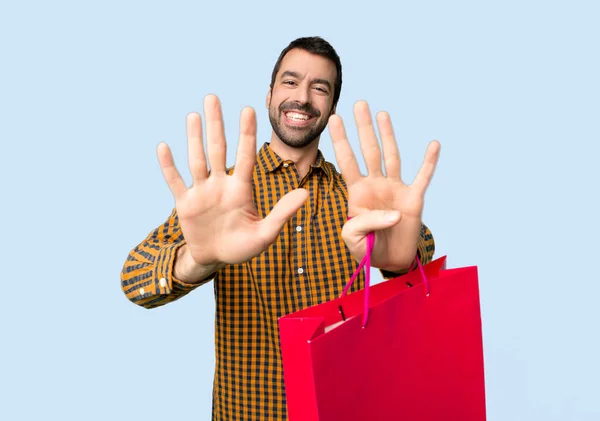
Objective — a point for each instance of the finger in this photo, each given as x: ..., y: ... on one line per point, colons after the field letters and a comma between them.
x: 391, y: 155
x: 172, y: 176
x: 425, y: 174
x: 343, y: 152
x: 283, y: 211
x: 196, y: 156
x: 246, y: 152
x: 368, y: 138
x: 215, y: 135
x: 370, y: 221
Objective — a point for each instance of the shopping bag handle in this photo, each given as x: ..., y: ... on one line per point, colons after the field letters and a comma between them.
x: 366, y: 263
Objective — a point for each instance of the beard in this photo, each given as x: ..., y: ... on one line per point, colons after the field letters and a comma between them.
x: 296, y: 137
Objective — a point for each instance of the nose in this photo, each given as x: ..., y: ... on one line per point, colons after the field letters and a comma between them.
x: 302, y: 94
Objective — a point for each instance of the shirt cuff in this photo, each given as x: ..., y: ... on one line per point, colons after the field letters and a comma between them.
x: 165, y: 282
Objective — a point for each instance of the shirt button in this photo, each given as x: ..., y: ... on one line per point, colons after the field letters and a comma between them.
x: 142, y: 291
x: 163, y: 282
x: 300, y: 271
x: 298, y: 228
x: 285, y: 164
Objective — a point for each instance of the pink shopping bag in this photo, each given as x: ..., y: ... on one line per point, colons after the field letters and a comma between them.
x: 413, y: 352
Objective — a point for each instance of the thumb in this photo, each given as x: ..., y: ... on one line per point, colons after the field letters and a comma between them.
x: 281, y: 213
x: 373, y: 220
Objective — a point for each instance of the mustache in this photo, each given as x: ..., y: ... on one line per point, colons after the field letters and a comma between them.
x: 296, y: 106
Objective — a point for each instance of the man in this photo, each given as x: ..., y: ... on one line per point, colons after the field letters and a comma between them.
x: 273, y: 232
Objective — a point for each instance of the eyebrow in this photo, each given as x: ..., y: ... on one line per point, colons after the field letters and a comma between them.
x: 296, y: 75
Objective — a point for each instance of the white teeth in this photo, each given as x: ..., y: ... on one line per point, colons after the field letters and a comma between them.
x: 297, y: 116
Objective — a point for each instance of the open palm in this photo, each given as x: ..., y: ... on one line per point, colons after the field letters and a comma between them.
x: 379, y: 201
x: 218, y: 217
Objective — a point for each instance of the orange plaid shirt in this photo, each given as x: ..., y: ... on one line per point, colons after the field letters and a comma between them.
x: 307, y: 264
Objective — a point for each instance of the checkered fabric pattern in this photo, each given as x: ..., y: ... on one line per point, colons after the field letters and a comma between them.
x: 308, y: 264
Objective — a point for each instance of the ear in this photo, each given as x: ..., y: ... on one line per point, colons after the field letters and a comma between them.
x: 269, y: 97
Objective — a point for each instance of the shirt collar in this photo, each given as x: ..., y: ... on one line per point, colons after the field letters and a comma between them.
x: 269, y: 161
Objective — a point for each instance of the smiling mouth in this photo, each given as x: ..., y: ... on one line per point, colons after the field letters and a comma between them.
x: 296, y: 116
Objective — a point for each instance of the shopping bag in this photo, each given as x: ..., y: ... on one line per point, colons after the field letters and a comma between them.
x: 409, y: 348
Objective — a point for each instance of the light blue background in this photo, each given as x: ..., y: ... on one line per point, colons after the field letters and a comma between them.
x: 87, y: 91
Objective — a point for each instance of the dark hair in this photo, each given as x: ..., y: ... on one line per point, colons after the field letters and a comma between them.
x: 320, y: 47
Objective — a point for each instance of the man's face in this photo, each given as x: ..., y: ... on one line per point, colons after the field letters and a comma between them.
x: 301, y: 100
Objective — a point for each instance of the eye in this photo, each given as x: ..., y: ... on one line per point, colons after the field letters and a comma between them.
x: 321, y: 89
x: 289, y: 82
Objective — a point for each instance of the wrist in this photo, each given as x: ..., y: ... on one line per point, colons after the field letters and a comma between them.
x: 187, y: 270
x: 402, y: 266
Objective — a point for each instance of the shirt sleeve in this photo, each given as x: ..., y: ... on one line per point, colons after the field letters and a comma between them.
x: 147, y: 275
x: 425, y: 251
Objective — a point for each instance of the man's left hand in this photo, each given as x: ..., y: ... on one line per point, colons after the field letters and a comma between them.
x: 381, y: 202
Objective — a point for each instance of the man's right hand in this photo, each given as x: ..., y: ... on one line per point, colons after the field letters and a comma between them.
x: 217, y: 214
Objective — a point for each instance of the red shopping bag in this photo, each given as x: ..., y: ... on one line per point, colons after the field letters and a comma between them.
x: 413, y: 353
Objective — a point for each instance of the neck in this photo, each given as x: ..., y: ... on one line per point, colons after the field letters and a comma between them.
x: 303, y: 158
